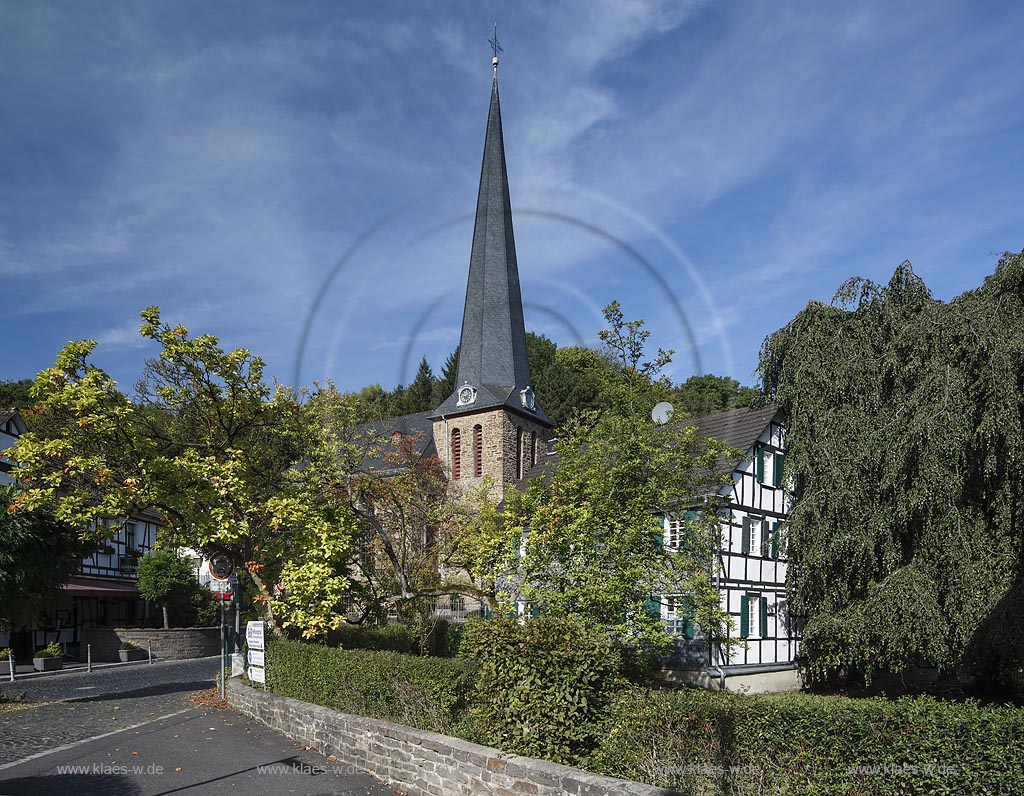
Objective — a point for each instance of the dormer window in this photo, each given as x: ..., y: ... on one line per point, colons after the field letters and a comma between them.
x: 528, y: 400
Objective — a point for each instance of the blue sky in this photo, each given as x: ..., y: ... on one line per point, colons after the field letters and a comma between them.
x: 713, y: 166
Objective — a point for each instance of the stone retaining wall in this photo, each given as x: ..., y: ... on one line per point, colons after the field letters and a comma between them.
x: 420, y: 762
x: 176, y: 643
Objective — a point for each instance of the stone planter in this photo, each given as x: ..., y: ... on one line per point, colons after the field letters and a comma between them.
x: 47, y: 664
x: 128, y: 656
x: 5, y: 668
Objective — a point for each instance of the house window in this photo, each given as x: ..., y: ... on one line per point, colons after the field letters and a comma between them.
x: 456, y: 454
x: 753, y: 616
x: 678, y: 532
x: 679, y: 615
x: 751, y: 541
x: 478, y: 451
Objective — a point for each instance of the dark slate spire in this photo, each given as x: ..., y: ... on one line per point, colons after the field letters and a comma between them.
x: 492, y: 351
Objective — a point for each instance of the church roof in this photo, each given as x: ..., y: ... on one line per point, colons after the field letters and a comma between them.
x: 406, y: 425
x: 492, y: 350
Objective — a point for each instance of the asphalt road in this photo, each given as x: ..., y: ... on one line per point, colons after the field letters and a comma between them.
x: 135, y: 731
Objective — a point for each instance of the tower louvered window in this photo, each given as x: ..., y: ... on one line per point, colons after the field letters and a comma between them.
x: 456, y: 453
x: 478, y: 451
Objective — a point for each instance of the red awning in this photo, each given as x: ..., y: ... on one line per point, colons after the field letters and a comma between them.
x: 97, y: 587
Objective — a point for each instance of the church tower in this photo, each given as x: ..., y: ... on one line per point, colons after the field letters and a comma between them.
x: 491, y: 425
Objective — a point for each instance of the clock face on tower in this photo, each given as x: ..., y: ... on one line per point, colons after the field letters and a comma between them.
x: 467, y: 395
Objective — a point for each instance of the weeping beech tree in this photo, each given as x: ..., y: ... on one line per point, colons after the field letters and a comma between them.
x: 906, y: 455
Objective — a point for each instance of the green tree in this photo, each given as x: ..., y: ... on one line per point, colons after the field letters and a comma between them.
x: 419, y: 394
x: 906, y: 443
x: 708, y: 394
x: 445, y: 384
x: 165, y: 578
x: 587, y: 543
x: 16, y: 394
x: 37, y: 554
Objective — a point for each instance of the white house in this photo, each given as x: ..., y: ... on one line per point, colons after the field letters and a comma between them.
x: 750, y: 565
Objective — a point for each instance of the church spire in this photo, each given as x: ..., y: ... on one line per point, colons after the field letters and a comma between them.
x: 492, y: 351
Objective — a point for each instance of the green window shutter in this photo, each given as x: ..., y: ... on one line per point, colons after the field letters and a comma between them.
x: 487, y: 612
x: 689, y: 516
x: 766, y: 537
x: 746, y: 535
x: 535, y: 612
x: 759, y: 465
x: 653, y: 608
x: 780, y: 466
x: 775, y: 540
x: 689, y: 612
x: 764, y: 616
x: 744, y: 616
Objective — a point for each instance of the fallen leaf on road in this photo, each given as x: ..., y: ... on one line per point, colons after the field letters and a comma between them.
x: 178, y: 768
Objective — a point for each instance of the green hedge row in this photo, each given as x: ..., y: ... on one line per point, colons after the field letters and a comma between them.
x: 713, y: 743
x: 550, y: 688
x: 438, y: 638
x: 428, y: 693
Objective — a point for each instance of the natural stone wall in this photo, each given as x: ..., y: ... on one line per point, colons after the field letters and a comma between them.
x: 500, y: 429
x: 419, y: 762
x: 177, y: 643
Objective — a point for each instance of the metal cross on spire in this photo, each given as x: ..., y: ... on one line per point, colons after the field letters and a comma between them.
x: 495, y: 46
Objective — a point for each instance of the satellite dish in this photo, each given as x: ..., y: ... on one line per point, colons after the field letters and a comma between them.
x: 662, y: 413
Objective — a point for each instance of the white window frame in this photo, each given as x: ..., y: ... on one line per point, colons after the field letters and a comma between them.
x: 754, y: 629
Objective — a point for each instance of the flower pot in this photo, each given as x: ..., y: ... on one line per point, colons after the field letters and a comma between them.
x: 47, y: 664
x: 5, y: 668
x: 127, y: 656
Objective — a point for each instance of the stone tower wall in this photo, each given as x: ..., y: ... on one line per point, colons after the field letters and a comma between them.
x: 499, y: 428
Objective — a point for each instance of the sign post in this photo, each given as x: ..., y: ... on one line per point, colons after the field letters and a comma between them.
x: 221, y: 568
x: 255, y: 639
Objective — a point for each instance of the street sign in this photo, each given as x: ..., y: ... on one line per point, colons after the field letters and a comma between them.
x: 256, y: 658
x: 254, y: 635
x: 257, y: 674
x: 221, y: 566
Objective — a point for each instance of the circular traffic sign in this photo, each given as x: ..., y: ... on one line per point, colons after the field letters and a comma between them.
x: 221, y: 566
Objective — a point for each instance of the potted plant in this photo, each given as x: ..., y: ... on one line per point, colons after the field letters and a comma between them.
x: 6, y: 662
x: 49, y: 658
x: 130, y: 651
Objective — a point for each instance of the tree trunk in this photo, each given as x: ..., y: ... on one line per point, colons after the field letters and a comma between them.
x: 167, y: 623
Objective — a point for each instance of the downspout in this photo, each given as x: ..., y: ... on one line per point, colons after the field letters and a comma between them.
x: 711, y: 648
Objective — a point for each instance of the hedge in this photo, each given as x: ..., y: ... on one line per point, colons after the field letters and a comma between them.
x: 428, y: 693
x: 718, y: 743
x: 543, y: 685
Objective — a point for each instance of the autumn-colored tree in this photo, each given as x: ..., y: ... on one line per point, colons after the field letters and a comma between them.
x: 206, y: 442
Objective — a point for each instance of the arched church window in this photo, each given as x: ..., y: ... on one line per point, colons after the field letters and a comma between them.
x: 456, y: 453
x: 478, y: 451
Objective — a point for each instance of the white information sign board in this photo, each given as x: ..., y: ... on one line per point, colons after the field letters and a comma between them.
x: 254, y: 635
x: 257, y: 674
x: 256, y: 658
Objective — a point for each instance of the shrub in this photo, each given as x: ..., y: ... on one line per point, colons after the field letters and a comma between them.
x: 712, y: 743
x: 428, y: 693
x: 52, y: 650
x: 543, y: 685
x: 434, y: 637
x: 5, y: 654
x: 129, y: 645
